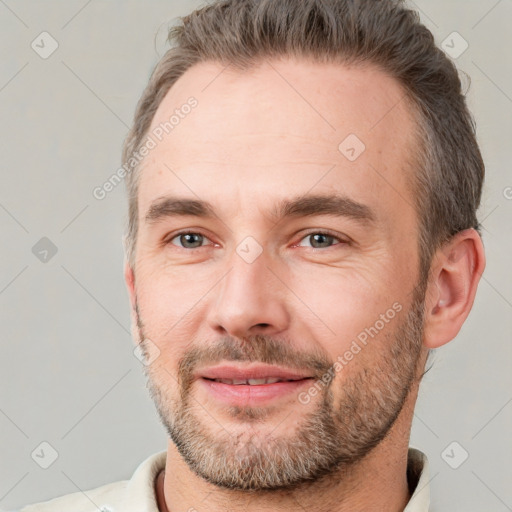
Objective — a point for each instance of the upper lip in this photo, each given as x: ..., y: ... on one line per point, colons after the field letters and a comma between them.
x: 260, y: 371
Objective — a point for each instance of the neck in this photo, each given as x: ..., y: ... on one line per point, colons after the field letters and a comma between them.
x: 378, y: 482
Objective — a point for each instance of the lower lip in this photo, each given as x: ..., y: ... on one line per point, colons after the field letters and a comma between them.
x: 244, y: 394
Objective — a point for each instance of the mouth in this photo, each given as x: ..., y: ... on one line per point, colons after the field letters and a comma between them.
x: 255, y: 374
x: 252, y: 382
x: 251, y: 385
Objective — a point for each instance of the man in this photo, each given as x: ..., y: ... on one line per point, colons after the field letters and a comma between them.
x: 303, y: 179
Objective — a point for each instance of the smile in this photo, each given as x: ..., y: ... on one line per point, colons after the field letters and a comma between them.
x: 252, y: 382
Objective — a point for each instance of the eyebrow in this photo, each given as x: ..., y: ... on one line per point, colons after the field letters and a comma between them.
x: 331, y: 204
x: 300, y: 206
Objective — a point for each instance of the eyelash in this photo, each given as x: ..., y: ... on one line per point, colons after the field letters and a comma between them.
x: 312, y: 232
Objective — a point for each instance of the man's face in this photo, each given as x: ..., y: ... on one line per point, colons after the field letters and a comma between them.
x: 319, y: 289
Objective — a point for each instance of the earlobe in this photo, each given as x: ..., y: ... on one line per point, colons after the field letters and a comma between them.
x: 455, y: 273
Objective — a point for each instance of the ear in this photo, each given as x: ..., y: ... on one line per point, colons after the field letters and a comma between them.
x: 129, y: 278
x: 454, y: 275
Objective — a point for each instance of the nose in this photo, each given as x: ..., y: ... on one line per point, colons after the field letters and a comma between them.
x: 249, y: 300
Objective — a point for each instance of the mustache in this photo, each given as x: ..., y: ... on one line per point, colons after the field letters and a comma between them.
x: 256, y: 348
x: 260, y: 348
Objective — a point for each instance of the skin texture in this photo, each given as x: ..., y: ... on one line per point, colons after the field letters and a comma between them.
x: 256, y: 138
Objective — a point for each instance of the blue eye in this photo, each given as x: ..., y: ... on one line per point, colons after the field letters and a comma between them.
x: 189, y: 240
x: 317, y: 240
x: 320, y: 240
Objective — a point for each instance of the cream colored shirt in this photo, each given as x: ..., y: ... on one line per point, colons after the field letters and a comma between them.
x: 138, y: 493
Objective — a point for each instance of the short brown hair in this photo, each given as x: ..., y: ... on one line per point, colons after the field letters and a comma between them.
x: 449, y: 173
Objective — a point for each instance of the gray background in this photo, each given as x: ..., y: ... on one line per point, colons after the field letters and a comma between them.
x: 68, y: 373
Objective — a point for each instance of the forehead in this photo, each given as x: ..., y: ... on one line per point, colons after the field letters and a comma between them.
x: 280, y: 129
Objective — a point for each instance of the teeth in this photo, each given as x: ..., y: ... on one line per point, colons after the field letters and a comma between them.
x: 251, y: 382
x: 269, y: 380
x: 257, y: 382
x: 224, y: 381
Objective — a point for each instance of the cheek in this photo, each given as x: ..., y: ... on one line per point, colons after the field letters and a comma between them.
x: 352, y: 313
x: 167, y: 293
x: 168, y: 305
x: 343, y: 298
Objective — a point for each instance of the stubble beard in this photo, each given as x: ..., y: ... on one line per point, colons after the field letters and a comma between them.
x: 333, y: 437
